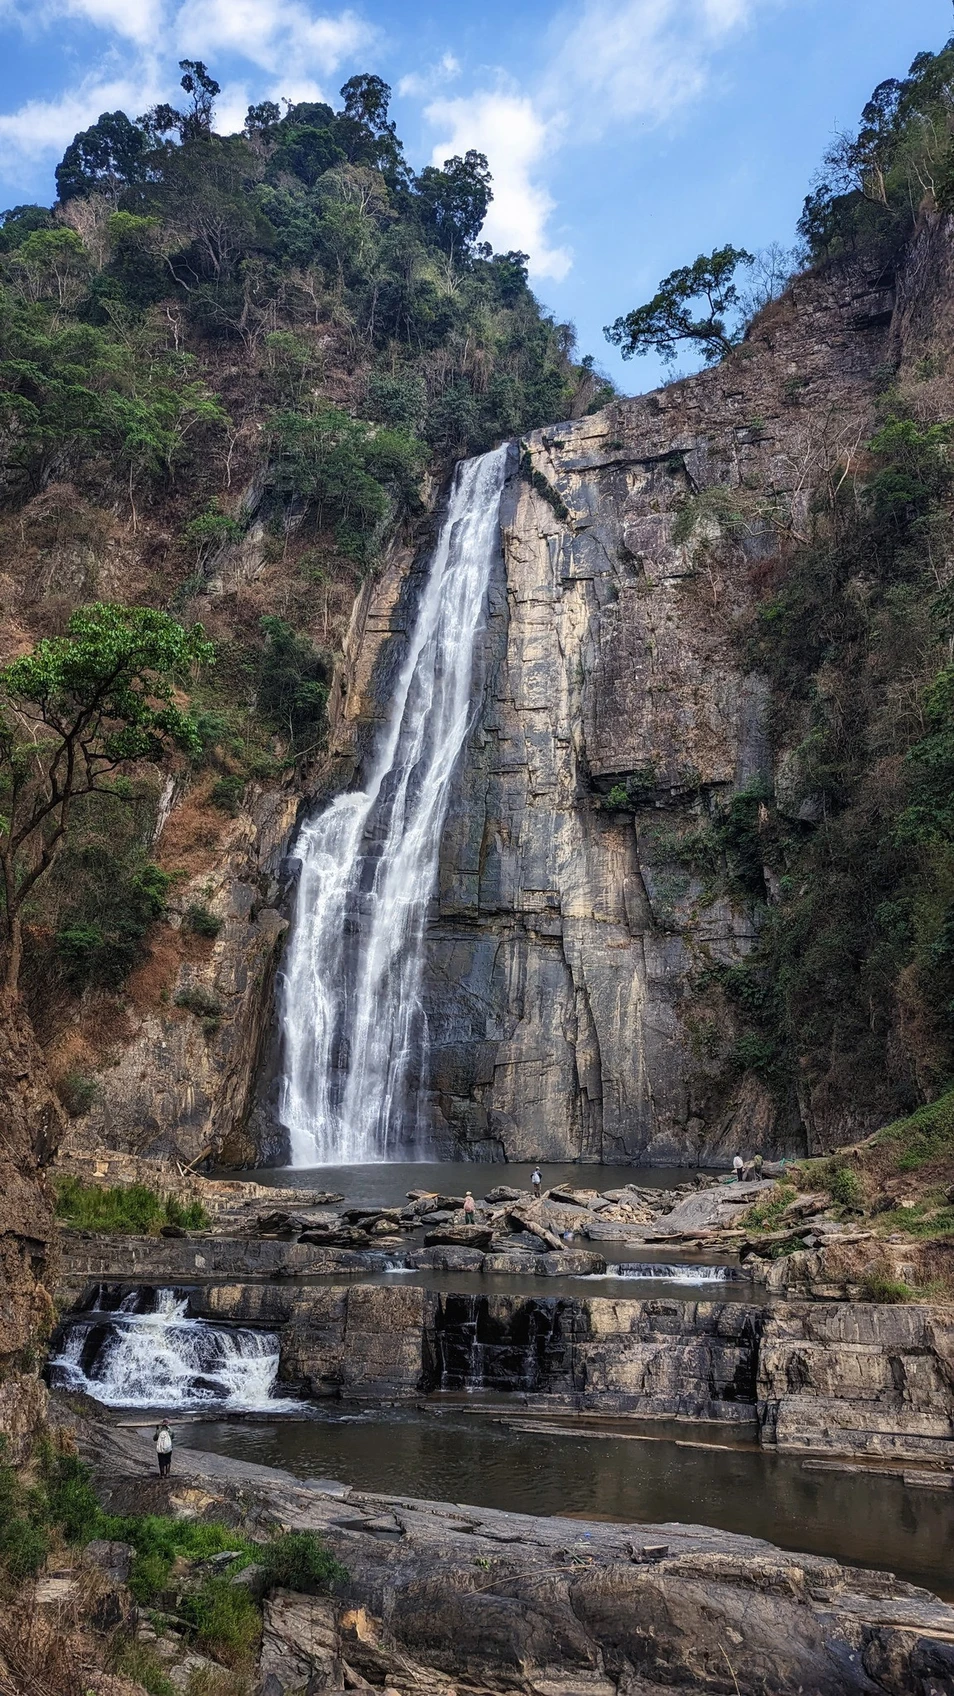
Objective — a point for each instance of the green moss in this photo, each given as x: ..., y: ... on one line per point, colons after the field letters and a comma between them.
x: 140, y: 1662
x: 545, y: 490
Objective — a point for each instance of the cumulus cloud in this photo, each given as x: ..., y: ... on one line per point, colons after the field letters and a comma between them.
x: 607, y: 62
x: 507, y: 128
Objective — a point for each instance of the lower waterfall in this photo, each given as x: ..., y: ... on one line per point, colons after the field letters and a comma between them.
x: 148, y: 1352
x: 354, y: 1033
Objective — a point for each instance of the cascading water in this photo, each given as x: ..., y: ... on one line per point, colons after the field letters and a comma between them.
x: 354, y: 1031
x: 147, y: 1351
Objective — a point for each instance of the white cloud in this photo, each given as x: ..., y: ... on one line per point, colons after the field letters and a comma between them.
x: 641, y: 60
x: 509, y: 130
x: 610, y: 62
x: 423, y: 83
x: 136, y: 20
x: 274, y: 34
x: 43, y: 127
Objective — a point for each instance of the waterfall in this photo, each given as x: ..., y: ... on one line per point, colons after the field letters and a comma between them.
x: 681, y: 1274
x: 354, y: 1032
x: 146, y: 1351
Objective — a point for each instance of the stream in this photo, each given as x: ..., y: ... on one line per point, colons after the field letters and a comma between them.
x: 653, y: 1474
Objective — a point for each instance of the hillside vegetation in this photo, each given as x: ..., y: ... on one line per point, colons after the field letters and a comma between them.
x: 234, y: 371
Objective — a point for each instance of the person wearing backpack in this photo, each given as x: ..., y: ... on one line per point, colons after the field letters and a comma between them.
x: 163, y: 1442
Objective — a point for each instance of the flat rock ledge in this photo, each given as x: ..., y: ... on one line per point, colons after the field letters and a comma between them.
x: 446, y: 1598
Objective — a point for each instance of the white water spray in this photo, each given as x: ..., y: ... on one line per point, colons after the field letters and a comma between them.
x: 164, y: 1359
x: 353, y: 1025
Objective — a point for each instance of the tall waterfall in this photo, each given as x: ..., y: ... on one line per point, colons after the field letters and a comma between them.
x: 353, y: 1024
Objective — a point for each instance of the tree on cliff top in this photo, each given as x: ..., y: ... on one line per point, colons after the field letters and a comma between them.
x: 72, y: 713
x: 699, y: 303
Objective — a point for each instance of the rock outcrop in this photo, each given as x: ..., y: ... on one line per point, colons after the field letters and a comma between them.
x: 503, y: 1601
x: 32, y: 1124
x: 567, y: 931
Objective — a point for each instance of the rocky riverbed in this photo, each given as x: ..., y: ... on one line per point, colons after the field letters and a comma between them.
x: 443, y: 1598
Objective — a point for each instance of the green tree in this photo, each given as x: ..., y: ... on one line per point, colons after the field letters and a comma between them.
x: 74, y: 711
x: 453, y: 201
x: 699, y: 304
x: 109, y: 155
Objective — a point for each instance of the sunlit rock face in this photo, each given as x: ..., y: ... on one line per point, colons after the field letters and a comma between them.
x: 614, y: 709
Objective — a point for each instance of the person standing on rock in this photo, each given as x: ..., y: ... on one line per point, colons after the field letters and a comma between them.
x: 163, y: 1441
x: 470, y: 1209
x: 536, y: 1181
x: 738, y: 1166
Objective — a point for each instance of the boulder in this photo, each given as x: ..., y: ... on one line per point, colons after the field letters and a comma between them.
x: 446, y: 1259
x: 459, y: 1236
x: 503, y: 1192
x: 300, y: 1643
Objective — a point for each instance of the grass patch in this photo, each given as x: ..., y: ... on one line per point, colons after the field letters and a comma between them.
x: 140, y: 1662
x: 930, y: 1217
x: 767, y: 1215
x: 298, y: 1560
x: 224, y: 1619
x: 878, y: 1286
x: 132, y: 1208
x: 924, y: 1136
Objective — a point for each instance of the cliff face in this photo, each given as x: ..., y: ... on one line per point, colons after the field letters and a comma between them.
x: 31, y: 1121
x: 614, y: 712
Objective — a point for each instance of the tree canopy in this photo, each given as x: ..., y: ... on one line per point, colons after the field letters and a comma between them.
x: 74, y: 711
x: 698, y: 303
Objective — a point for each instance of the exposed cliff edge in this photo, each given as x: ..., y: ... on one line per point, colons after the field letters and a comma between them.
x: 580, y: 957
x: 614, y: 708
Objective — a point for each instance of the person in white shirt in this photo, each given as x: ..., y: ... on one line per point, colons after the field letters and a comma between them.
x: 738, y: 1165
x: 536, y: 1180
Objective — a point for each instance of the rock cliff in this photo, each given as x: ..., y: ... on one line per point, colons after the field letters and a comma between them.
x: 613, y: 710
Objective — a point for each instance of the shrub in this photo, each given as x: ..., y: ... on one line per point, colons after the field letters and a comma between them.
x: 224, y: 1619
x: 844, y: 1186
x: 298, y: 1560
x: 877, y: 1286
x: 133, y: 1208
x: 77, y: 1091
x: 227, y: 793
x: 203, y: 921
x: 766, y: 1215
x: 195, y: 999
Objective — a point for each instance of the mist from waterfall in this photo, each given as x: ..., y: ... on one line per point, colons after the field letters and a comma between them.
x: 354, y: 1030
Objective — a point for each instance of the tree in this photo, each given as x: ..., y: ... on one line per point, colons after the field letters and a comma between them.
x: 110, y: 154
x: 453, y: 201
x: 73, y: 712
x: 202, y: 90
x: 669, y: 318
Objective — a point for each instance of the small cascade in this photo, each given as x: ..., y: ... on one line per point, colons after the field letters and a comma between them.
x: 142, y: 1348
x: 672, y: 1274
x: 520, y: 1345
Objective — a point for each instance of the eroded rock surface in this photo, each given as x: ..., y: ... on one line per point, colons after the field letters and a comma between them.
x: 507, y: 1602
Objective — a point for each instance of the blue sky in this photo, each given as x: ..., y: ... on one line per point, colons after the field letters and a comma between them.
x: 625, y: 136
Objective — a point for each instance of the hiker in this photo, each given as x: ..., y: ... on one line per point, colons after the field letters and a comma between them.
x: 536, y: 1181
x: 470, y: 1209
x: 163, y: 1442
x: 757, y: 1166
x: 738, y: 1166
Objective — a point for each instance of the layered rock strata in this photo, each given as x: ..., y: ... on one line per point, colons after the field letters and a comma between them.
x: 507, y: 1602
x: 850, y: 1379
